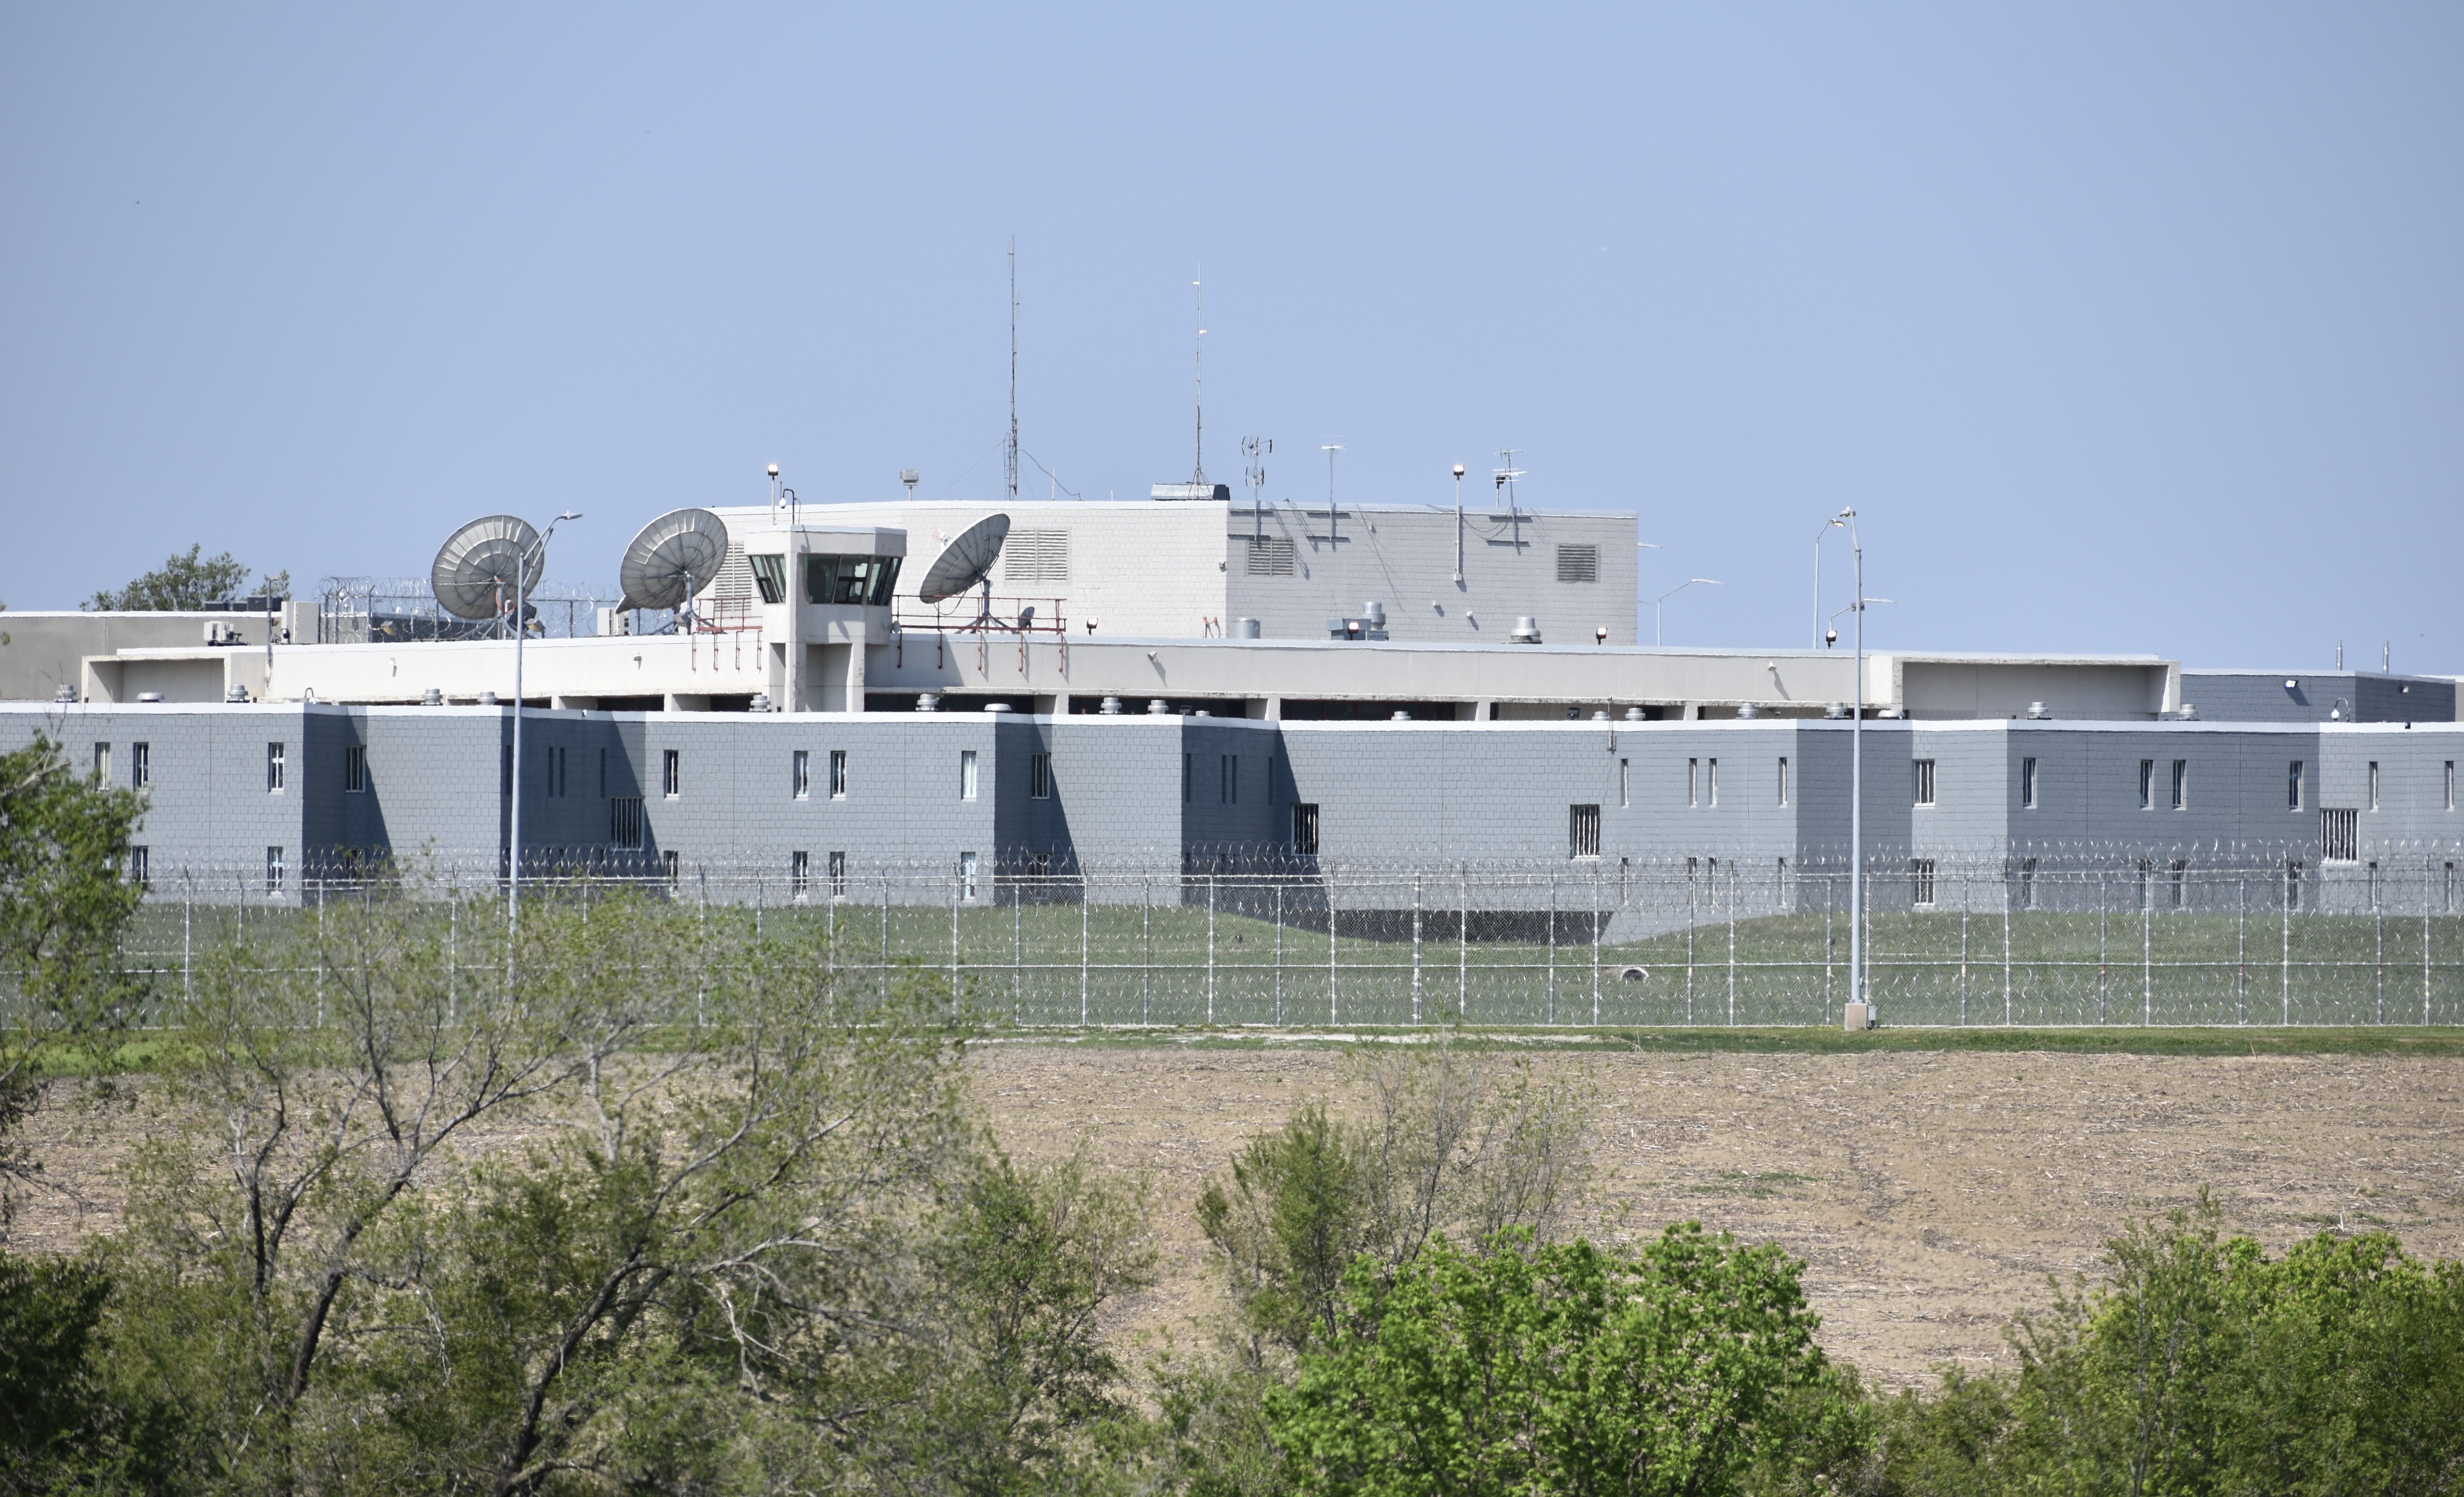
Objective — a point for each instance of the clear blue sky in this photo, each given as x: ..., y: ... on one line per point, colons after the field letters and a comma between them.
x: 2124, y: 327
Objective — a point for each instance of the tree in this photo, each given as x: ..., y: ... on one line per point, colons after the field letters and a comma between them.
x: 64, y: 904
x: 183, y: 583
x: 1560, y: 1368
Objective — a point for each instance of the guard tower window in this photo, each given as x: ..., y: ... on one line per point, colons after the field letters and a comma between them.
x: 1923, y: 780
x: 1304, y: 829
x: 274, y: 756
x: 1578, y: 563
x: 1583, y: 832
x: 770, y: 575
x: 355, y: 769
x: 671, y: 773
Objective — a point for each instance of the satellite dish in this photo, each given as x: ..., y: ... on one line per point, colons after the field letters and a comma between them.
x: 474, y: 572
x: 966, y: 561
x: 673, y: 557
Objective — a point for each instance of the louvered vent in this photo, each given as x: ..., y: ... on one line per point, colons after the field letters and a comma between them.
x: 1036, y: 556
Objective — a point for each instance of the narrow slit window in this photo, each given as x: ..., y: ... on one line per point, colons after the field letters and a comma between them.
x: 1039, y: 777
x: 1783, y: 780
x: 2181, y: 784
x: 2293, y: 785
x: 671, y: 773
x: 967, y: 875
x: 2027, y: 784
x: 140, y: 866
x: 1711, y: 780
x: 1625, y: 782
x: 2146, y: 785
x: 1921, y: 880
x: 1693, y: 782
x: 1924, y: 768
x: 838, y: 875
x: 2374, y: 784
x: 1304, y: 829
x: 355, y: 769
x: 800, y: 776
x: 2181, y: 872
x: 800, y: 875
x: 966, y: 775
x: 275, y: 754
x: 838, y: 775
x: 102, y: 762
x: 675, y: 865
x: 141, y: 766
x: 273, y: 871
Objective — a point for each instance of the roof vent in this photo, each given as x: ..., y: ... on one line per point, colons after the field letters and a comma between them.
x: 1601, y: 716
x: 1157, y: 707
x: 2037, y: 712
x: 1749, y: 710
x: 1374, y: 612
x: 66, y: 694
x: 487, y: 698
x: 1835, y: 711
x: 1634, y: 714
x: 1400, y: 717
x: 1244, y: 629
x: 998, y: 707
x: 149, y: 696
x: 761, y: 702
x: 927, y: 701
x: 1112, y: 707
x: 431, y: 697
x: 1526, y: 631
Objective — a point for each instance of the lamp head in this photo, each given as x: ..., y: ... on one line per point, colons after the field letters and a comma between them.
x: 774, y: 470
x: 1458, y: 469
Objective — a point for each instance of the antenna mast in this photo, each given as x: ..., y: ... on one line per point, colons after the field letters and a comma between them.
x: 1013, y: 371
x: 1198, y: 289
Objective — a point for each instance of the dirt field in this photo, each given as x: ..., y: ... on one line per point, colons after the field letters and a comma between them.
x: 1929, y: 1193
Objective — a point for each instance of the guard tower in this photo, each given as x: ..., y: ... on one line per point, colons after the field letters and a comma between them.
x: 824, y: 596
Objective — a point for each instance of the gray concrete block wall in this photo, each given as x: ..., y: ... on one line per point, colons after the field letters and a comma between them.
x: 2361, y: 696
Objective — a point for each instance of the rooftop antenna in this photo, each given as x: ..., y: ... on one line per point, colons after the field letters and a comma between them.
x: 1505, y: 477
x: 1197, y: 289
x: 1256, y: 449
x: 1013, y: 373
x: 1330, y: 449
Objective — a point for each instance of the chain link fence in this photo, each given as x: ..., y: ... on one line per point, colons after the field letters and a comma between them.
x: 1224, y: 941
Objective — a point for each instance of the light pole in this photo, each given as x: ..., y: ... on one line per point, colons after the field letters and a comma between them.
x: 1828, y: 526
x: 1459, y: 534
x: 1857, y: 792
x: 513, y: 834
x: 1659, y: 602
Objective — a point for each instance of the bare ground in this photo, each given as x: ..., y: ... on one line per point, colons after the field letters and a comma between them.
x: 1930, y: 1193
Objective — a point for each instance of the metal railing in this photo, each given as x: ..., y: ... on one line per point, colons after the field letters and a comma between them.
x: 1210, y: 940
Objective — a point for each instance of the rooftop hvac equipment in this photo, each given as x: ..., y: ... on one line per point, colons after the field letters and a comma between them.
x: 673, y: 557
x: 1837, y: 710
x: 476, y: 572
x: 1219, y: 493
x: 1526, y: 631
x: 1244, y: 629
x: 965, y: 560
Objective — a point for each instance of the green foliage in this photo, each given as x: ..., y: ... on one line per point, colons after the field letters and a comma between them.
x: 63, y: 904
x: 183, y: 583
x: 48, y: 1409
x: 2204, y: 1366
x: 1561, y: 1368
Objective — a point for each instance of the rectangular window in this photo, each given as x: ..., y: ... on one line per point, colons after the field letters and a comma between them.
x: 966, y: 774
x: 2374, y: 883
x: 1923, y: 780
x: 624, y: 823
x: 2450, y: 905
x: 770, y: 575
x: 274, y: 756
x: 967, y: 875
x: 2181, y: 784
x: 1625, y: 782
x: 273, y: 871
x: 838, y: 774
x: 1185, y: 772
x: 2027, y: 784
x: 2027, y: 882
x: 1583, y: 832
x: 671, y: 773
x: 2374, y: 784
x: 557, y: 761
x: 1711, y: 780
x: 2181, y: 882
x: 140, y: 870
x: 2146, y: 785
x: 1578, y: 563
x: 1921, y: 882
x: 838, y: 875
x: 2293, y: 785
x: 102, y: 762
x: 674, y: 863
x: 2451, y: 785
x: 141, y: 766
x: 799, y: 775
x: 800, y: 875
x: 1693, y: 782
x: 1304, y: 829
x: 1783, y: 782
x: 355, y: 768
x: 1039, y: 777
x: 2340, y: 836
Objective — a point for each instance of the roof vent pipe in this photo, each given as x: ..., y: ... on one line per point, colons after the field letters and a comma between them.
x: 66, y: 694
x: 2037, y: 712
x: 1112, y: 707
x: 1836, y: 711
x: 1376, y: 612
x: 431, y: 697
x: 1634, y: 714
x: 1244, y: 629
x: 1749, y: 710
x: 1526, y: 631
x: 1157, y: 707
x: 927, y: 701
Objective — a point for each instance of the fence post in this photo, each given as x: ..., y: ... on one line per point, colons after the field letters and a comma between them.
x: 2005, y: 949
x: 1146, y: 944
x: 1210, y: 951
x: 1018, y: 949
x: 1416, y: 948
x: 1965, y: 897
x: 187, y: 920
x: 2425, y: 940
x: 1690, y: 944
x: 2148, y: 950
x: 2101, y: 950
x: 1551, y: 1011
x: 2378, y: 932
x: 1732, y: 943
x: 1462, y: 948
x: 1279, y: 953
x: 1829, y: 941
x: 884, y: 937
x: 1596, y: 945
x: 953, y: 945
x: 1330, y: 948
x: 1085, y: 893
x: 2284, y: 970
x: 2241, y: 954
